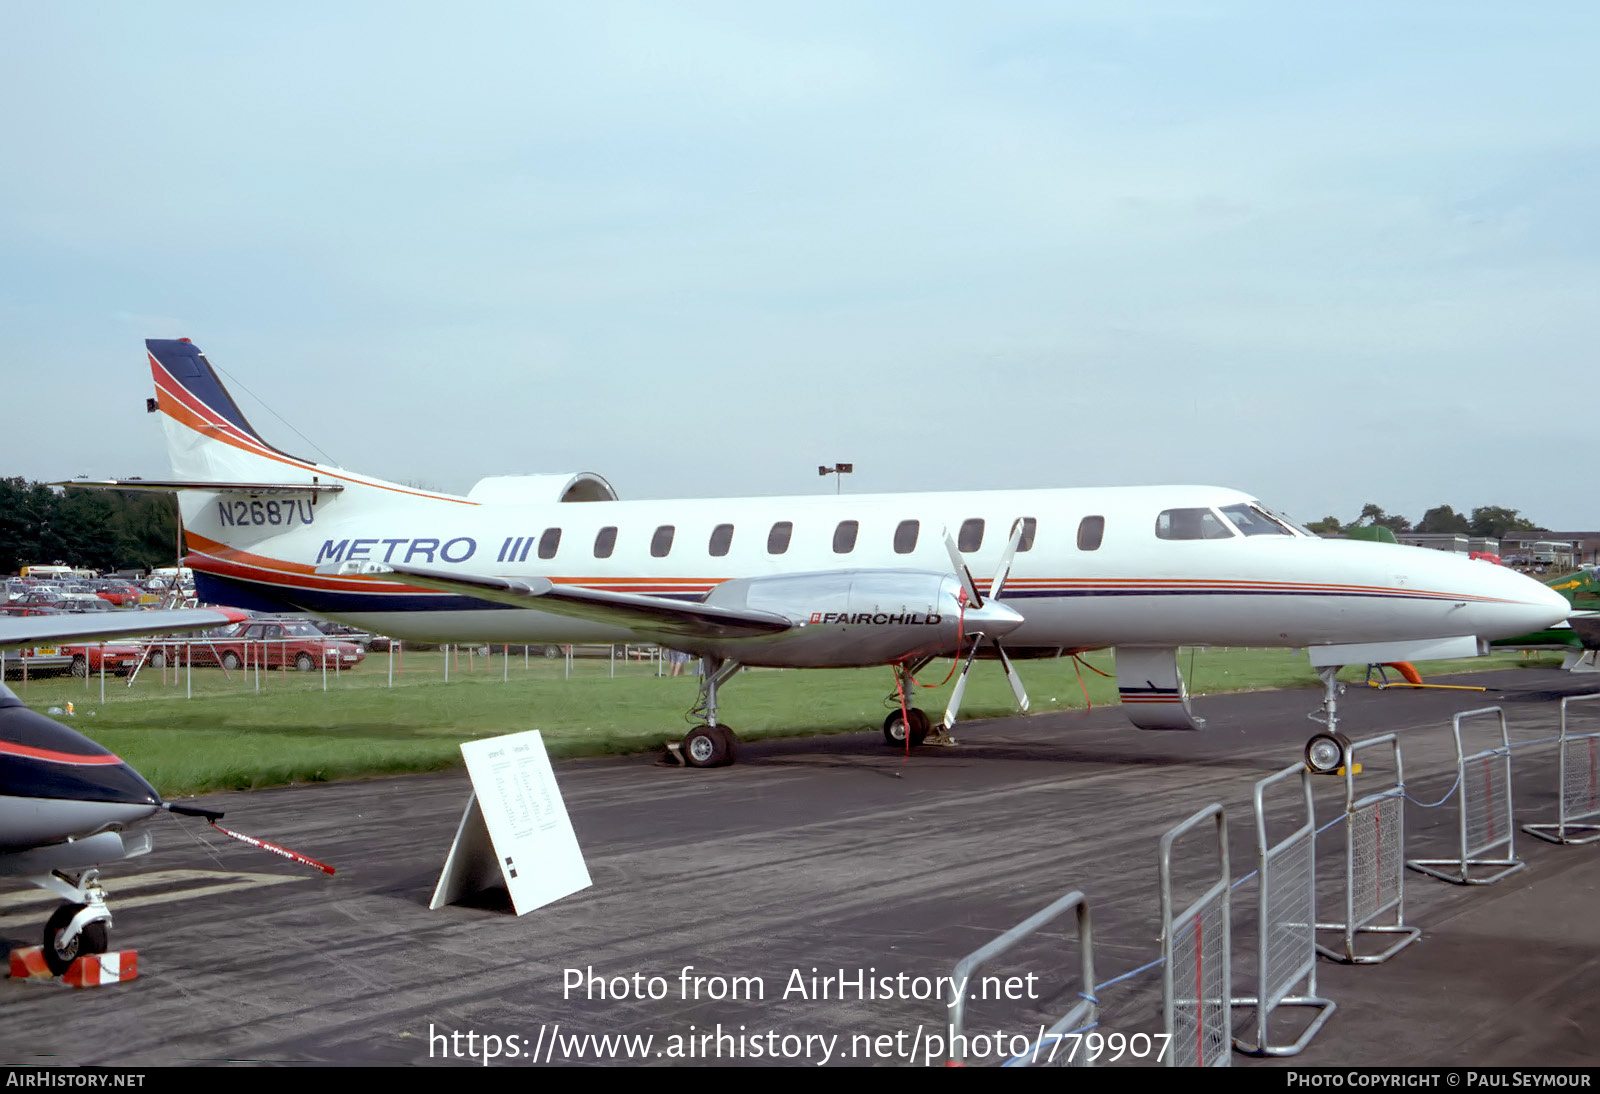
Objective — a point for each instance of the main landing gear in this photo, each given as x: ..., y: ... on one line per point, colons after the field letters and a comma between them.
x: 1327, y: 752
x: 79, y: 926
x: 711, y: 744
x: 923, y: 729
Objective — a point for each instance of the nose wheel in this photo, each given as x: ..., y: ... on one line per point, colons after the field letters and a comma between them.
x: 1326, y: 753
x: 80, y: 925
x: 63, y: 945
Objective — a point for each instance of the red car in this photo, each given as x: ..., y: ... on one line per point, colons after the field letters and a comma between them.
x: 116, y: 657
x: 121, y: 596
x: 268, y: 643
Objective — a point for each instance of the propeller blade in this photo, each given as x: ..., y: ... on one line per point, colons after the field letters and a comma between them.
x: 1004, y: 569
x: 1013, y: 679
x: 961, y: 686
x: 959, y: 565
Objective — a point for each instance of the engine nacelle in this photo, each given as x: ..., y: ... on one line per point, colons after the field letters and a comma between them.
x: 848, y: 618
x: 541, y: 489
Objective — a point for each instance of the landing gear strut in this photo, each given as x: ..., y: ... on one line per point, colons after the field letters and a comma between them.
x: 710, y: 745
x: 1327, y: 752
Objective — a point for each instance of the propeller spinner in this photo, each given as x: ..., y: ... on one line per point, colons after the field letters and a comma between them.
x: 977, y: 612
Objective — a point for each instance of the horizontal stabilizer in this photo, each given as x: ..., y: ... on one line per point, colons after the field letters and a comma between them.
x: 253, y: 489
x: 36, y: 630
x: 651, y: 615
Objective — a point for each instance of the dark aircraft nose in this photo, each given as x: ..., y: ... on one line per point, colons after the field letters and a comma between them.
x: 41, y: 758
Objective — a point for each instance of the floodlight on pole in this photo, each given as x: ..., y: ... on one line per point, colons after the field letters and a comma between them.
x: 840, y: 469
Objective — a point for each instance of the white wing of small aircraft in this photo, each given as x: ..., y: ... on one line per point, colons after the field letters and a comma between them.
x: 65, y: 800
x: 820, y: 581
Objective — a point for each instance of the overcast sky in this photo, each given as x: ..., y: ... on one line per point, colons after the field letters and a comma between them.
x: 1329, y: 254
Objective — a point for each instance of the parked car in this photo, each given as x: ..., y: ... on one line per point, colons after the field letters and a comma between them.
x: 119, y: 595
x: 268, y: 643
x: 118, y: 658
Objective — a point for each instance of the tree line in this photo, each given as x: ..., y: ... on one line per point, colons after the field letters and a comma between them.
x: 1493, y: 521
x: 91, y: 529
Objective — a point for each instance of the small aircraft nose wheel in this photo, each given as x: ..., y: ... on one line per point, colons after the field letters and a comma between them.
x: 894, y: 728
x: 708, y: 746
x: 92, y: 939
x: 1325, y: 752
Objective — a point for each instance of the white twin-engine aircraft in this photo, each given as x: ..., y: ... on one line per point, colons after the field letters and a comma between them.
x: 814, y: 582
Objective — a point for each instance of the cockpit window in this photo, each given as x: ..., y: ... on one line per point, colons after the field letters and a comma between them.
x: 1191, y: 524
x: 1252, y: 520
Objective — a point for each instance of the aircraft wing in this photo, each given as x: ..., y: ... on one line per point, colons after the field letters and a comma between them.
x: 649, y: 614
x: 35, y: 630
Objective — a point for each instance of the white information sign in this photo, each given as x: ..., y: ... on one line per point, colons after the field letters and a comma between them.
x: 517, y: 806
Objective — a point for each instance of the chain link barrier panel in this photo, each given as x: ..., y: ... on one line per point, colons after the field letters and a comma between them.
x: 1484, y: 824
x: 1196, y: 985
x: 1053, y: 1049
x: 1286, y: 947
x: 1578, y: 783
x: 1374, y: 861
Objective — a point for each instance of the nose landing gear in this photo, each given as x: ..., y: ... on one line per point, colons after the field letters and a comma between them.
x: 1328, y: 751
x: 79, y: 926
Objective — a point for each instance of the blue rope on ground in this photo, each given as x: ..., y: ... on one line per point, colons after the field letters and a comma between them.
x: 1448, y: 794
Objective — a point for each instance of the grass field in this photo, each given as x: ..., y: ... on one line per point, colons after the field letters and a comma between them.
x: 230, y: 735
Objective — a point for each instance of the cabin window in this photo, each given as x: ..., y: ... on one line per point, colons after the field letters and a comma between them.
x: 661, y: 542
x: 1029, y: 527
x: 721, y: 540
x: 778, y: 538
x: 1191, y: 524
x: 605, y: 541
x: 971, y: 537
x: 1255, y: 522
x: 549, y: 542
x: 1091, y: 530
x: 844, y: 536
x: 905, y: 537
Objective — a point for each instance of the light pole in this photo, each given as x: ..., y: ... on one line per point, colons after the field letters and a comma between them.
x: 840, y: 469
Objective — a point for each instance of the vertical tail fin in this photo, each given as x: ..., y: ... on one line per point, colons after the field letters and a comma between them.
x: 208, y: 436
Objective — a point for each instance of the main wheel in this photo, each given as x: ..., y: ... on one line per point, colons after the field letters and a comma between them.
x: 80, y: 665
x: 304, y: 663
x: 1325, y: 752
x: 894, y: 730
x: 92, y: 939
x: 231, y: 661
x: 708, y: 746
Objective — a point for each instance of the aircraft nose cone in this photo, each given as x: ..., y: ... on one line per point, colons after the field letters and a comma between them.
x: 1533, y: 605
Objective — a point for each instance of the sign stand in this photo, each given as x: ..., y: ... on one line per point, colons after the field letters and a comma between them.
x: 514, y: 830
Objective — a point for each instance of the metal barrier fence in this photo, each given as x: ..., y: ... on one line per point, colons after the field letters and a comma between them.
x: 1286, y: 949
x: 1483, y: 783
x: 1054, y: 1048
x: 1196, y: 988
x: 1579, y: 784
x: 1374, y: 862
